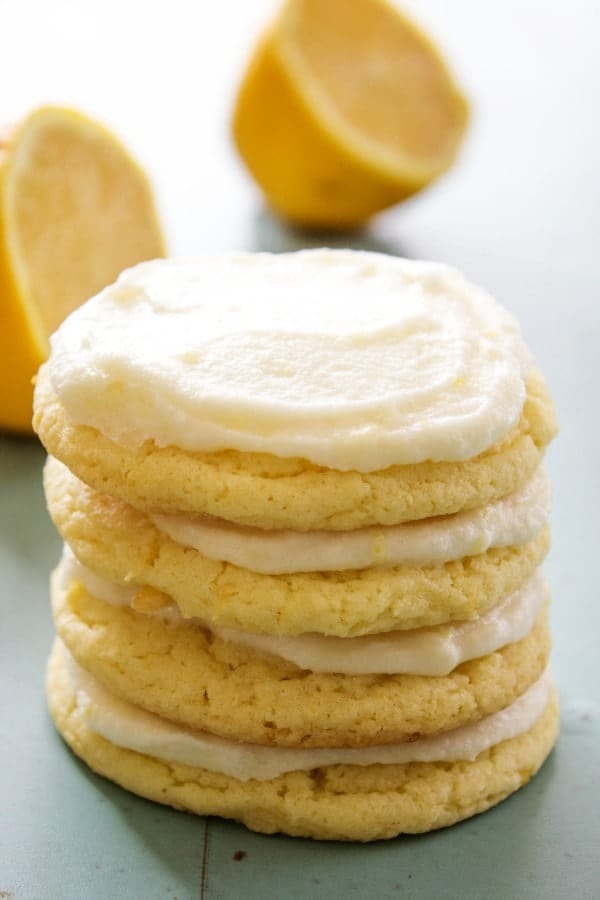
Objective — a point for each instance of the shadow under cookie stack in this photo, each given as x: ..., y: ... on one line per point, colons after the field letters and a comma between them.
x: 304, y: 514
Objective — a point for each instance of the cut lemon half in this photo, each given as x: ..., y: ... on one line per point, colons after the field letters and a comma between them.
x: 75, y: 210
x: 346, y: 108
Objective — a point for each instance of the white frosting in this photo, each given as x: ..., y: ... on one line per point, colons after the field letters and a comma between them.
x: 511, y: 521
x: 129, y: 726
x: 352, y: 360
x: 425, y: 651
x: 70, y: 569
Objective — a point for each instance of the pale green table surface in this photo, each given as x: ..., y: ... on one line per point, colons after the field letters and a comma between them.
x: 521, y: 215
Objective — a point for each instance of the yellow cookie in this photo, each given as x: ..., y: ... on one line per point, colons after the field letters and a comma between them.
x: 269, y: 492
x: 123, y: 545
x: 182, y: 672
x: 332, y: 803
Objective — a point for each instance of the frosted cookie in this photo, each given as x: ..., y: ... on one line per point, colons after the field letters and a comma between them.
x: 270, y: 492
x: 511, y: 521
x: 185, y: 673
x: 307, y: 510
x: 317, y: 390
x: 126, y: 546
x: 422, y: 651
x: 360, y: 802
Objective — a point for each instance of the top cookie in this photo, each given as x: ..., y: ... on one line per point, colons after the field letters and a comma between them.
x: 322, y: 389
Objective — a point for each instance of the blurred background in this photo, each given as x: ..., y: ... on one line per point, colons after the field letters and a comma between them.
x: 163, y: 76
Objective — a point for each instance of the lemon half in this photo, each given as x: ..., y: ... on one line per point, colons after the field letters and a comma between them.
x: 75, y: 210
x: 346, y: 108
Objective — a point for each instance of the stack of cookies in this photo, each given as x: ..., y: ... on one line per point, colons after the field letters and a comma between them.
x: 303, y: 514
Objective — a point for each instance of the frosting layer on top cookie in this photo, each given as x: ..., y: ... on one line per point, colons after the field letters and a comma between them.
x: 351, y: 360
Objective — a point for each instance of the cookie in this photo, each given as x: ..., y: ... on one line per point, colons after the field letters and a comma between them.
x: 340, y: 802
x: 182, y: 672
x: 269, y: 492
x: 307, y: 398
x: 124, y: 545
